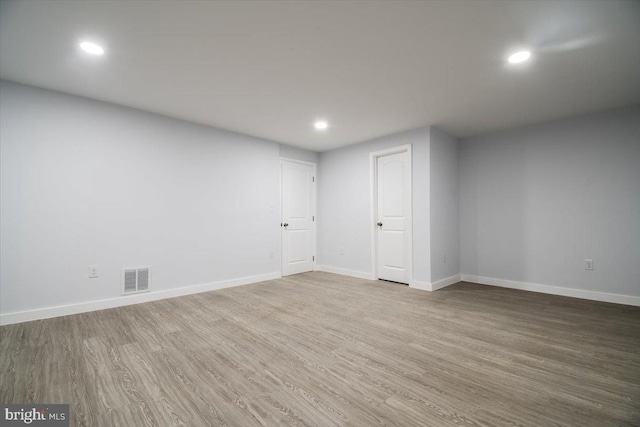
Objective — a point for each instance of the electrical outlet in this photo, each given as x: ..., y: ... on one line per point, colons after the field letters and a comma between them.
x: 588, y: 264
x: 93, y: 271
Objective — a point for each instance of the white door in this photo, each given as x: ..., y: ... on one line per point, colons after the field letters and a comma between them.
x: 393, y: 217
x: 298, y: 217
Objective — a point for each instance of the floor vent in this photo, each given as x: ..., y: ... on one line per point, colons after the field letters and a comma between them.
x: 135, y: 280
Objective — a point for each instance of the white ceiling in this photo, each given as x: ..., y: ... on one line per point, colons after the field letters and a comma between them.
x: 270, y: 68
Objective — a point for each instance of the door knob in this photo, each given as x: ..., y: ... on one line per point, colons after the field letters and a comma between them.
x: 285, y: 224
x: 379, y: 224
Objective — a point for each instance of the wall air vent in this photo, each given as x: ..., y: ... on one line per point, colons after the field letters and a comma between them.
x: 136, y: 280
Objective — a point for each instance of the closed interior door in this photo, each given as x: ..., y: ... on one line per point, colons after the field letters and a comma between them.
x: 298, y: 217
x: 393, y: 213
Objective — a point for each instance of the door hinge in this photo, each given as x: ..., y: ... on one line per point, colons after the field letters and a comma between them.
x: 313, y: 218
x: 313, y: 179
x: 313, y: 258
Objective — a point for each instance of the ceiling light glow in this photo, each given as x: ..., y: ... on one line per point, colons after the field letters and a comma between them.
x: 92, y: 48
x: 321, y: 125
x: 519, y: 57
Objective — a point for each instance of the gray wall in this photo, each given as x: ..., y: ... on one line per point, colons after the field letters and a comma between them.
x: 536, y: 201
x: 299, y: 154
x: 445, y: 221
x: 344, y: 204
x: 85, y: 182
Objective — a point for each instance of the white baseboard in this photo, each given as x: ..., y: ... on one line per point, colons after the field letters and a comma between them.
x: 416, y: 284
x: 426, y: 286
x: 346, y: 272
x: 64, y: 310
x: 554, y: 290
x: 446, y: 282
x: 423, y: 286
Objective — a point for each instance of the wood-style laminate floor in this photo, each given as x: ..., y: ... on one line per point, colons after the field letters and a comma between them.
x: 321, y: 349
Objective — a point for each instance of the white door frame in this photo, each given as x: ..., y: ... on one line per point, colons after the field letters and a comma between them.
x: 374, y: 206
x: 315, y: 214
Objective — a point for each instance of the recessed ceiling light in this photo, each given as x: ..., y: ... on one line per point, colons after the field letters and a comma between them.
x: 519, y: 57
x: 92, y: 48
x: 321, y: 125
